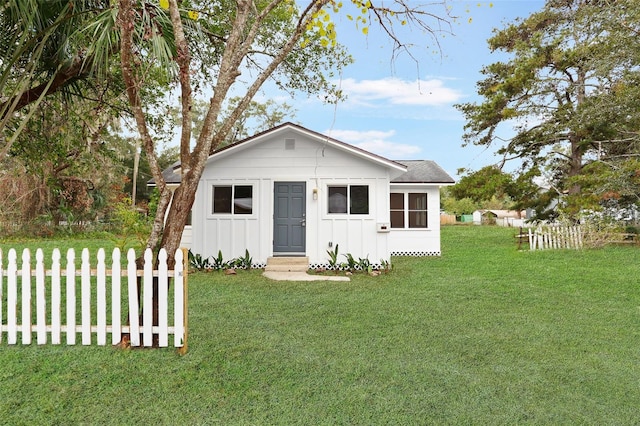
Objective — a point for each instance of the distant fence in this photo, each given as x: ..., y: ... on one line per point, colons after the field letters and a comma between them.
x: 136, y: 303
x: 573, y: 237
x: 447, y: 219
x: 552, y: 237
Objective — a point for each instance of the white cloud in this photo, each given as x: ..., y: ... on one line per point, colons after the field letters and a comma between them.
x: 400, y: 92
x: 376, y: 142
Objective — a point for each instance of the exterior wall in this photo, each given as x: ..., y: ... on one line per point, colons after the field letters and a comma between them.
x: 477, y: 217
x: 187, y: 237
x: 418, y: 241
x: 260, y: 165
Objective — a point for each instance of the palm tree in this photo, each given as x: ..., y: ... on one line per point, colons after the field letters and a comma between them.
x: 57, y: 46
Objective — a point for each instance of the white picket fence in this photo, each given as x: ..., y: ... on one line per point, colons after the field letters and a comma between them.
x: 50, y: 298
x: 555, y: 237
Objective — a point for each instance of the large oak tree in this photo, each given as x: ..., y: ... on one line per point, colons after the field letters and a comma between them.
x: 567, y: 96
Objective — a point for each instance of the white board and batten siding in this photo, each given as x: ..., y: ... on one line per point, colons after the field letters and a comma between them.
x: 319, y: 166
x: 90, y: 302
x: 418, y: 241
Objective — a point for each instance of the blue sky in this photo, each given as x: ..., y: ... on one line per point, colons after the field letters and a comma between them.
x: 402, y: 110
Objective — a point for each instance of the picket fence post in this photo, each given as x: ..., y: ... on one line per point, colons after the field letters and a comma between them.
x: 94, y: 305
x: 12, y: 298
x: 55, y: 297
x: 116, y: 272
x: 41, y: 302
x: 134, y: 308
x: 26, y: 297
x: 71, y: 297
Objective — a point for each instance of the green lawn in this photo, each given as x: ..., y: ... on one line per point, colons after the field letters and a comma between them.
x: 482, y: 335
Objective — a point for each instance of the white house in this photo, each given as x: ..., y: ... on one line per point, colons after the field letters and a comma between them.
x: 290, y: 191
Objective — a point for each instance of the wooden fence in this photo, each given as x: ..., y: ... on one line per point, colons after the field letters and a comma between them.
x: 552, y: 237
x: 136, y: 303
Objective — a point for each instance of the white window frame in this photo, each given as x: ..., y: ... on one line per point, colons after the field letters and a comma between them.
x: 348, y: 212
x: 233, y: 186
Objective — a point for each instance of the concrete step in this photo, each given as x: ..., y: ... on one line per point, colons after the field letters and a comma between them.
x: 287, y: 264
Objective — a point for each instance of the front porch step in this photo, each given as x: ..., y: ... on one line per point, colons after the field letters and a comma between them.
x: 287, y: 264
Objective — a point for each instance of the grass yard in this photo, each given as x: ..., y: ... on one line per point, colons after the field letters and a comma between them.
x: 482, y: 335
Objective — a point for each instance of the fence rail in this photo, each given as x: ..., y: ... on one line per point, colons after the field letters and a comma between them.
x: 59, y: 310
x: 552, y: 237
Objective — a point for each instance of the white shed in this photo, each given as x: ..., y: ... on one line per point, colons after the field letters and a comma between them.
x: 499, y: 217
x: 290, y: 191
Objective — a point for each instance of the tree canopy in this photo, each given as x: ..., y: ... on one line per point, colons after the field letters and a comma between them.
x: 567, y: 97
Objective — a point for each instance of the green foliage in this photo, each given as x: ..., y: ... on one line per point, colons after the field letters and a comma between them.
x: 483, y: 185
x: 243, y: 262
x: 351, y: 262
x: 133, y: 226
x: 568, y: 93
x: 365, y: 265
x: 459, y: 207
x: 198, y: 262
x: 333, y: 258
x: 385, y: 265
x: 218, y: 263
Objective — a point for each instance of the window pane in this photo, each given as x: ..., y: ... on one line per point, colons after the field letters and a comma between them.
x: 222, y: 199
x: 359, y: 199
x: 417, y: 201
x: 242, y: 199
x: 337, y: 199
x: 397, y: 201
x: 417, y: 219
x: 397, y: 219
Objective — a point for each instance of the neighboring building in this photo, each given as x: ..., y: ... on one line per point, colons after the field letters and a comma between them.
x: 499, y: 217
x: 290, y: 191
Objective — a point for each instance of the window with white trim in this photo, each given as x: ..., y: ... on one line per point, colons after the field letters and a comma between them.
x: 232, y: 199
x: 351, y: 199
x: 408, y: 210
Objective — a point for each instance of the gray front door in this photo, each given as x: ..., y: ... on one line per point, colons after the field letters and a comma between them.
x: 289, y: 218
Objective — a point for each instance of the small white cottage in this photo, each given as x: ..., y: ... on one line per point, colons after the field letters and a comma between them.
x: 290, y: 191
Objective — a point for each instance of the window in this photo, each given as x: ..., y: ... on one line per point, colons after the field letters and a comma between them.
x: 414, y: 215
x: 356, y: 197
x: 397, y: 210
x: 417, y: 210
x: 240, y: 197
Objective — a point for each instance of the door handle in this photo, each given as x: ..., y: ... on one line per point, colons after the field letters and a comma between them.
x: 303, y: 222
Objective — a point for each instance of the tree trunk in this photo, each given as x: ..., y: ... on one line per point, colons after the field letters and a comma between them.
x: 176, y: 220
x: 136, y: 165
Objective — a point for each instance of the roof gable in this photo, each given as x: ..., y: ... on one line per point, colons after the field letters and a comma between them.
x: 314, y: 136
x: 403, y: 172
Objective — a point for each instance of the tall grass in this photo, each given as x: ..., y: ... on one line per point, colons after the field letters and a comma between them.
x: 482, y: 335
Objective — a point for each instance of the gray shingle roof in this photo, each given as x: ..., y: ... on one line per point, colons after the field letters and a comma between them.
x: 423, y: 171
x: 169, y: 174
